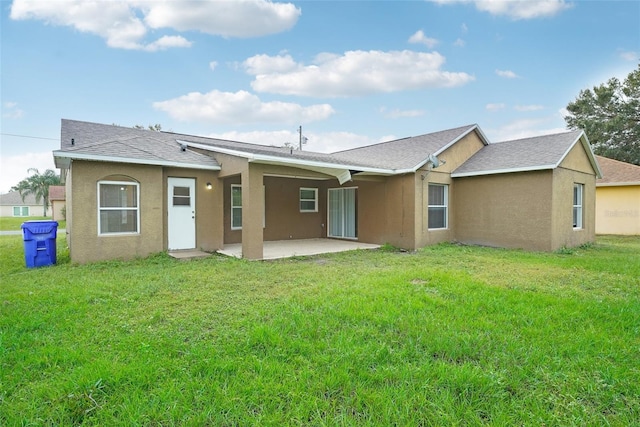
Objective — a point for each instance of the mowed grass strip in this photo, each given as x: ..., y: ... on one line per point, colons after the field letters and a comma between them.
x: 448, y: 335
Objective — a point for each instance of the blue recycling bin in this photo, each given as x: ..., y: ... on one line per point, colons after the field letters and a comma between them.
x: 39, y: 242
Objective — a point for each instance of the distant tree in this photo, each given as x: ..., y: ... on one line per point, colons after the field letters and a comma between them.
x: 610, y: 116
x: 38, y: 185
x: 157, y: 127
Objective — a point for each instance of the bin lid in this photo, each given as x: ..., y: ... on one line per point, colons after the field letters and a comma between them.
x: 39, y: 227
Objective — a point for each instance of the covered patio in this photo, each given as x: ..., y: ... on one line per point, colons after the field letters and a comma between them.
x: 301, y: 247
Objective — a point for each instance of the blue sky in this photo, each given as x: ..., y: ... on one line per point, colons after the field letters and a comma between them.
x: 350, y: 73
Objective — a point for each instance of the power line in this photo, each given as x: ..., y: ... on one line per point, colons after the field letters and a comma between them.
x: 28, y: 136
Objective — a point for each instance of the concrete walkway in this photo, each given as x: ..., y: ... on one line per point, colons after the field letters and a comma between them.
x: 304, y: 247
x: 19, y: 232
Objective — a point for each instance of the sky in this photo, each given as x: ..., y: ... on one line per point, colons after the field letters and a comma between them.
x: 350, y: 73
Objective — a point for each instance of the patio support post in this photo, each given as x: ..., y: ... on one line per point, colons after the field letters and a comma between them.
x: 252, y: 212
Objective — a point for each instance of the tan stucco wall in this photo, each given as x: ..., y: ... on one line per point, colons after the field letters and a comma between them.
x: 618, y: 210
x: 508, y: 210
x: 452, y: 157
x: 574, y: 169
x: 82, y: 224
x: 56, y: 209
x: 85, y: 243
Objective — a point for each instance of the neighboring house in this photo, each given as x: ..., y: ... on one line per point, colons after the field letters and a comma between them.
x: 132, y: 192
x: 57, y: 201
x: 618, y: 198
x: 11, y: 204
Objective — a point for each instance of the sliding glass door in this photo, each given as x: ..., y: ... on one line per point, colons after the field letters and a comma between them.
x: 343, y: 213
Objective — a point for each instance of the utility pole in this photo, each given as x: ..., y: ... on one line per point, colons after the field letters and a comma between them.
x: 303, y: 139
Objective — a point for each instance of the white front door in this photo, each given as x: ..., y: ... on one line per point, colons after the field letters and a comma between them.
x: 181, y: 221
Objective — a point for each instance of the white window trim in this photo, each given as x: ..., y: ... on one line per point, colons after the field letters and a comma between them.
x: 264, y: 201
x: 137, y: 208
x: 579, y: 207
x: 315, y: 199
x: 13, y: 208
x: 235, y: 207
x: 445, y: 206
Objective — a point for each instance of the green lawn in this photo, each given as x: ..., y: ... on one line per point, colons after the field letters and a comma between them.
x: 449, y: 335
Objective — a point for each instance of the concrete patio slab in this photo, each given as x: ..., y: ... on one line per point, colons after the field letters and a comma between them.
x: 303, y: 247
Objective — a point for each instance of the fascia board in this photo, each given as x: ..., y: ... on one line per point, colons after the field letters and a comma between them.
x: 499, y: 171
x: 283, y: 161
x: 128, y: 160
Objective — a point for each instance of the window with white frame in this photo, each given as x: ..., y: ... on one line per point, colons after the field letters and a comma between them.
x: 21, y: 211
x: 118, y: 207
x: 236, y: 207
x: 438, y: 206
x: 578, y: 191
x: 308, y: 199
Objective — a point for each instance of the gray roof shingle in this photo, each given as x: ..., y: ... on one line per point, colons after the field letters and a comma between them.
x: 111, y: 141
x: 405, y: 153
x: 116, y: 142
x: 13, y: 198
x: 535, y: 153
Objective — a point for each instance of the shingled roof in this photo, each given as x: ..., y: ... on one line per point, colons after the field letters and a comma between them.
x: 93, y: 141
x: 13, y: 198
x: 407, y: 153
x: 528, y: 154
x: 615, y: 172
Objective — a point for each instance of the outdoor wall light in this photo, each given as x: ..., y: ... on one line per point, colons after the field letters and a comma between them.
x: 209, y: 186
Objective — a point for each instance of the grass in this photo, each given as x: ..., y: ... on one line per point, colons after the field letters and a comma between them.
x: 14, y: 223
x: 449, y: 335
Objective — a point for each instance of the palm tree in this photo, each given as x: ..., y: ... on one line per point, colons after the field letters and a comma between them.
x: 38, y: 185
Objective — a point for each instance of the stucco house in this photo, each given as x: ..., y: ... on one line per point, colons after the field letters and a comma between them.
x: 57, y: 201
x: 132, y: 192
x: 618, y: 198
x: 11, y: 204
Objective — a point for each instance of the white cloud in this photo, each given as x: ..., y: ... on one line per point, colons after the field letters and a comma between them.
x: 213, y: 65
x: 495, y: 107
x: 459, y: 42
x: 239, y: 107
x: 396, y: 113
x: 318, y: 142
x: 166, y: 42
x: 13, y: 169
x: 508, y: 74
x: 524, y: 128
x: 125, y: 24
x: 464, y: 28
x: 517, y: 9
x: 11, y: 110
x: 628, y: 55
x: 265, y: 64
x: 353, y: 73
x: 419, y: 38
x: 531, y: 107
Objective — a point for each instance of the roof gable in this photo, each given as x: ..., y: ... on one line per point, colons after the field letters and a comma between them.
x: 528, y: 154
